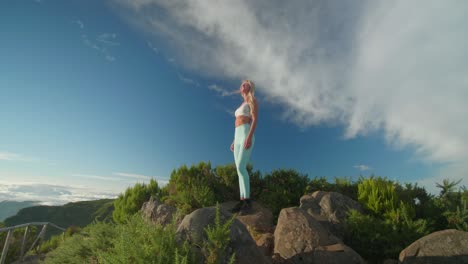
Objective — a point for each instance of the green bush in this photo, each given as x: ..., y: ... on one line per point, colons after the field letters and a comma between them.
x: 192, y: 188
x: 219, y: 236
x: 137, y: 241
x: 132, y: 200
x: 282, y: 189
x: 377, y: 194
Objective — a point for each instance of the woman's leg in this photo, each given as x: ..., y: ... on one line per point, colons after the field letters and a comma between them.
x: 242, y: 157
x: 237, y: 148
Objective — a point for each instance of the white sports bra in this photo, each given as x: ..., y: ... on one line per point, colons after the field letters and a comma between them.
x: 243, y: 110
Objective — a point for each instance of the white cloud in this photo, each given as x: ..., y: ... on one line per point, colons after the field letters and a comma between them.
x: 397, y: 68
x: 362, y: 167
x: 152, y: 47
x: 222, y: 91
x: 104, y: 178
x: 187, y: 80
x: 161, y: 181
x: 10, y: 156
x: 50, y: 194
x: 102, y: 44
x: 79, y: 23
x: 108, y: 38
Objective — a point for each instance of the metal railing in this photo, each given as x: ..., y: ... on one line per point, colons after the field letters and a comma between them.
x: 41, y: 236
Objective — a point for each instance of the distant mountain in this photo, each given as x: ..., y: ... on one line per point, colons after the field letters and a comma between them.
x: 78, y: 214
x: 10, y: 208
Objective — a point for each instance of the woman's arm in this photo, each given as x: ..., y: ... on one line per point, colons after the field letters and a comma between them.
x: 254, y: 119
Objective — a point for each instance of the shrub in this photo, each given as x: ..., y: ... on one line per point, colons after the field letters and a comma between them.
x: 132, y: 200
x: 377, y: 195
x: 283, y: 188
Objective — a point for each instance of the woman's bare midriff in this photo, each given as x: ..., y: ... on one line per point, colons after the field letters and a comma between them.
x: 240, y: 120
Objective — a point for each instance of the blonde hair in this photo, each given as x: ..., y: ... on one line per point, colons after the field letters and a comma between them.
x: 250, y: 95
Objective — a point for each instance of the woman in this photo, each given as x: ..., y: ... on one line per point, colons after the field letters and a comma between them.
x: 244, y: 140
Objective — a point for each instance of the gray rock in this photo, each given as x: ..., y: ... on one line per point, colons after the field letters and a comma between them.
x: 192, y: 229
x: 446, y: 246
x: 298, y: 232
x: 260, y: 220
x: 157, y: 212
x: 330, y: 209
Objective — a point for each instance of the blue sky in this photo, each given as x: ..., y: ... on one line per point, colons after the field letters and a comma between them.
x: 98, y: 95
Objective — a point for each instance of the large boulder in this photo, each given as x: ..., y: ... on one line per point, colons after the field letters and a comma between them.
x: 192, y: 229
x: 300, y: 238
x: 157, y: 212
x: 260, y: 220
x: 446, y: 246
x: 330, y: 209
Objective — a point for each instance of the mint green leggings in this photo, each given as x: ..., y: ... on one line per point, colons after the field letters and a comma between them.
x: 242, y: 157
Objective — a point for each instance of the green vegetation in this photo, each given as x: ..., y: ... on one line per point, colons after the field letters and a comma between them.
x: 130, y: 202
x: 77, y: 214
x: 10, y: 208
x: 137, y: 241
x: 112, y: 231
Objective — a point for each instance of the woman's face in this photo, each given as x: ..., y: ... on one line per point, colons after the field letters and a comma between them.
x: 244, y: 88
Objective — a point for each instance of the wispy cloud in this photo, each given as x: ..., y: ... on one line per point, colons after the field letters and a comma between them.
x: 104, y: 178
x: 222, y: 91
x: 132, y: 175
x: 100, y: 45
x: 152, y: 47
x: 10, y: 156
x: 161, y: 181
x: 108, y: 38
x: 370, y: 66
x: 79, y: 23
x: 187, y: 80
x: 362, y: 167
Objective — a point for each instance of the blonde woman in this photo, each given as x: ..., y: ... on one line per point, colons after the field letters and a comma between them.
x: 244, y: 140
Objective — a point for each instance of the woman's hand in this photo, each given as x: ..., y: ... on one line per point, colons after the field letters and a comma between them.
x: 247, y: 143
x: 232, y: 146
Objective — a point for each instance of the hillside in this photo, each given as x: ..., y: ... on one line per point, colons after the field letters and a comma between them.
x: 76, y: 213
x: 10, y: 208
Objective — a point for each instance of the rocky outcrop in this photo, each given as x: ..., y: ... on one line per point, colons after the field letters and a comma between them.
x: 192, y: 229
x: 260, y: 220
x: 446, y: 246
x: 330, y: 209
x: 300, y: 238
x: 157, y: 212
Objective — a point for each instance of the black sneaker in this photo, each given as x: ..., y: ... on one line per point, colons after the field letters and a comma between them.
x: 238, y: 206
x: 247, y: 208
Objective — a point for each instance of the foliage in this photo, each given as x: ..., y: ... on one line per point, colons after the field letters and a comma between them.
x: 16, y: 239
x: 132, y: 200
x: 79, y: 214
x: 192, y: 188
x: 283, y: 188
x: 377, y: 194
x: 137, y: 241
x: 218, y: 239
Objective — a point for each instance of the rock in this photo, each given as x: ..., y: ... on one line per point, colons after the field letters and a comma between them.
x: 157, y: 212
x: 446, y: 246
x: 192, y: 229
x: 266, y: 244
x: 298, y: 232
x: 330, y: 209
x: 390, y: 261
x: 260, y: 220
x: 333, y: 254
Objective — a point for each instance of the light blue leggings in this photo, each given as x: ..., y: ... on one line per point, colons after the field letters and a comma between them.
x: 242, y: 157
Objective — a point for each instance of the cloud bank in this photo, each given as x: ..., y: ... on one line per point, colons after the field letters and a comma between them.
x: 396, y: 68
x: 50, y: 194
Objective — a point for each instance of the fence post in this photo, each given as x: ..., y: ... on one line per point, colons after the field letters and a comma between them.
x: 5, y: 248
x: 23, y: 244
